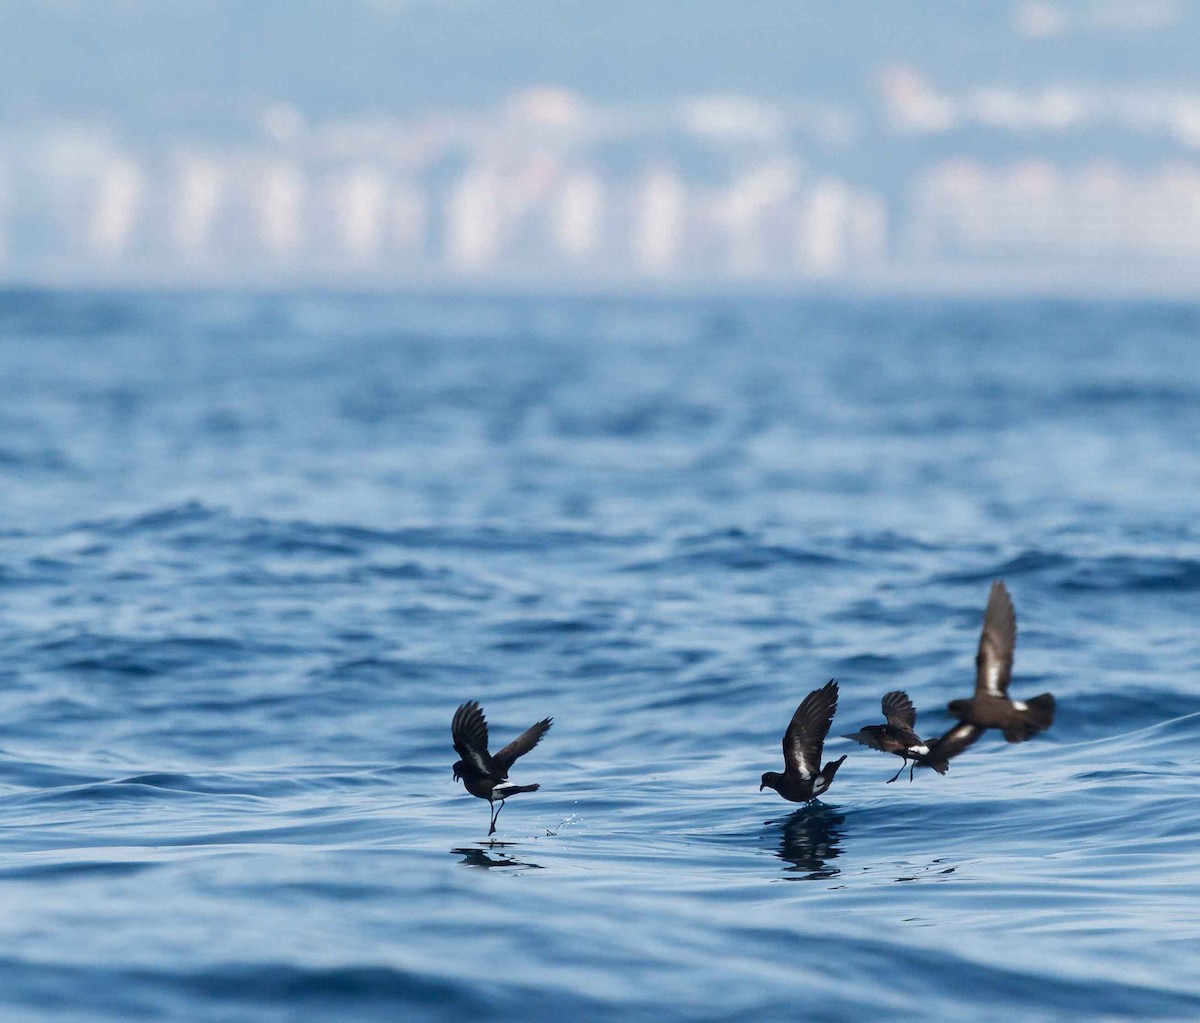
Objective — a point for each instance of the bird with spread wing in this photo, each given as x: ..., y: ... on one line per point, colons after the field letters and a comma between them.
x: 486, y: 775
x: 803, y: 777
x: 991, y: 706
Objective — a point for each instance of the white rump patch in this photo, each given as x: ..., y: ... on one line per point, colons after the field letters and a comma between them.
x: 1019, y: 705
x: 922, y: 749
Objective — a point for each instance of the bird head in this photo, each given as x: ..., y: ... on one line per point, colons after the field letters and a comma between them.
x: 770, y: 780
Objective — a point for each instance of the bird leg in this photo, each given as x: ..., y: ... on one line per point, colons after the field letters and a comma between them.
x: 495, y: 814
x: 492, y: 819
x: 903, y: 764
x: 912, y: 767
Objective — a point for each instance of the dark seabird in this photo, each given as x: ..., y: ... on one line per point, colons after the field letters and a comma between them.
x: 898, y: 735
x: 945, y: 747
x: 484, y: 775
x: 803, y: 777
x: 991, y: 706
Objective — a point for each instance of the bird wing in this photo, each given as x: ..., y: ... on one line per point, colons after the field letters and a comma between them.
x: 521, y: 745
x: 993, y: 663
x: 470, y: 732
x: 899, y: 710
x: 805, y: 736
x: 955, y: 741
x: 871, y: 735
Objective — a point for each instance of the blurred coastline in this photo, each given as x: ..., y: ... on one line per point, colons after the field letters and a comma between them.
x: 1047, y: 165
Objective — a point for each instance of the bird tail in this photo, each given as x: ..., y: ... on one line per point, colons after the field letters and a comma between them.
x: 1037, y: 717
x: 830, y: 769
x: 504, y: 791
x: 939, y: 764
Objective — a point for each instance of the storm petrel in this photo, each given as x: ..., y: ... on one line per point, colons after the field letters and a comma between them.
x: 991, y: 706
x: 898, y: 735
x: 803, y: 778
x: 484, y: 775
x: 945, y: 747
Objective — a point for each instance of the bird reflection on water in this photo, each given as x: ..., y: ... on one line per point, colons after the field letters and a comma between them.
x: 489, y: 855
x: 810, y: 839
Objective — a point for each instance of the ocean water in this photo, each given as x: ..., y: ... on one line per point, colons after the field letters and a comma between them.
x: 255, y: 550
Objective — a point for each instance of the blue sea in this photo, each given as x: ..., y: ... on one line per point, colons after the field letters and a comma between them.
x: 255, y: 550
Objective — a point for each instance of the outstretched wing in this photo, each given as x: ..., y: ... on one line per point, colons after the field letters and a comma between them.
x: 871, y: 736
x: 521, y: 745
x: 954, y: 741
x: 993, y: 663
x: 899, y: 710
x: 470, y: 732
x: 805, y: 736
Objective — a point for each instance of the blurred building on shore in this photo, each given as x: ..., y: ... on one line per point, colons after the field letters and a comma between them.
x: 548, y: 190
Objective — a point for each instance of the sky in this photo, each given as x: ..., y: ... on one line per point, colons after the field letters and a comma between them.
x: 205, y: 64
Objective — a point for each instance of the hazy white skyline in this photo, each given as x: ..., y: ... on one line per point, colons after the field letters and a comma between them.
x: 1051, y: 140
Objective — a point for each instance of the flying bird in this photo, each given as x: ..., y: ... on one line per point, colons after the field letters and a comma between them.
x: 991, y: 706
x: 945, y: 747
x: 898, y: 735
x: 483, y: 774
x: 803, y: 777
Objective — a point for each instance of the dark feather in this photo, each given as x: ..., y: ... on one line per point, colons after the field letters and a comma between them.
x: 1035, y: 719
x: 521, y: 745
x: 805, y: 736
x: 945, y: 747
x: 470, y: 733
x: 899, y: 711
x: 874, y: 736
x: 993, y: 663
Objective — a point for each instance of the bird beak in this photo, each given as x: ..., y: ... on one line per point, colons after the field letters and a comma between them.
x: 762, y: 786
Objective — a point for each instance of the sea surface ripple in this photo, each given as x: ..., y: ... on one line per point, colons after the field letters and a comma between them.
x: 255, y: 550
